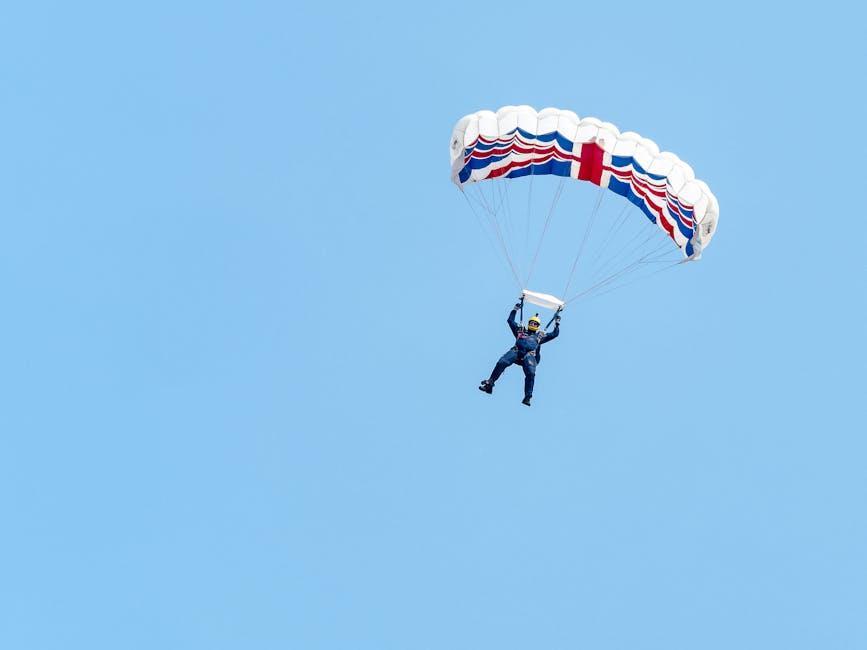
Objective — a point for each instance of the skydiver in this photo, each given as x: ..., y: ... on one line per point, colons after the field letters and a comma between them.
x: 526, y: 352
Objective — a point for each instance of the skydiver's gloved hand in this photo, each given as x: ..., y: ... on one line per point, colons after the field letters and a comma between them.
x: 557, y: 319
x: 520, y: 303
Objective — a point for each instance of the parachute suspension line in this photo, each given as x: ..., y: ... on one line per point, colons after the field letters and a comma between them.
x: 618, y: 258
x: 496, y: 226
x: 487, y: 234
x: 586, y: 236
x: 663, y: 249
x: 493, y: 206
x: 529, y: 212
x: 616, y: 226
x: 487, y: 206
x: 503, y: 193
x: 640, y: 277
x: 608, y: 279
x: 647, y: 258
x: 610, y: 276
x: 497, y: 200
x: 508, y: 225
x: 554, y: 202
x: 483, y: 200
x: 605, y: 282
x: 508, y: 209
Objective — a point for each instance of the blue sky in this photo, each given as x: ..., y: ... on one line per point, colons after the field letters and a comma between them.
x: 246, y: 313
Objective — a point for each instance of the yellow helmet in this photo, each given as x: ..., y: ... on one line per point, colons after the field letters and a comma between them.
x: 534, y: 323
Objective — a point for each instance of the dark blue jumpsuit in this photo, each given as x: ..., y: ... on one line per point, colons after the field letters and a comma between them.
x: 526, y: 353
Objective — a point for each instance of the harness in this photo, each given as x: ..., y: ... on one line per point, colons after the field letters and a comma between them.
x: 527, y: 353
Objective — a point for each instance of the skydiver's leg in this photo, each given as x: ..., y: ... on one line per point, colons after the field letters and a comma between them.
x: 505, y: 361
x: 529, y: 365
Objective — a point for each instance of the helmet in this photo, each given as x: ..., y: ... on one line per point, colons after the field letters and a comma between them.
x: 534, y: 323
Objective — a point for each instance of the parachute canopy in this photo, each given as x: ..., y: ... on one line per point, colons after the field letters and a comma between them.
x: 518, y: 141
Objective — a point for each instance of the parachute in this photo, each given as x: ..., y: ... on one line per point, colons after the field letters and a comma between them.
x: 665, y: 216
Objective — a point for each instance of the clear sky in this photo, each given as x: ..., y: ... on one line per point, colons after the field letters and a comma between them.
x: 245, y: 314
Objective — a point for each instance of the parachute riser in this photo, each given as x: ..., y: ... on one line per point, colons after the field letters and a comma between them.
x: 554, y: 317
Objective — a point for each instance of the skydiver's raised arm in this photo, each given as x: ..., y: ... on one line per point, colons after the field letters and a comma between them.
x: 511, y: 320
x: 553, y: 335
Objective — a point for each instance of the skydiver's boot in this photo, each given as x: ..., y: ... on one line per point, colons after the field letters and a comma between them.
x: 526, y: 400
x: 487, y: 386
